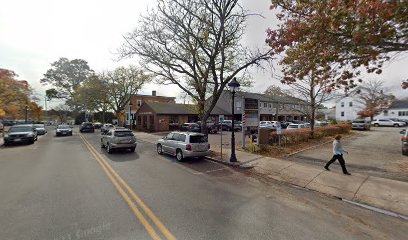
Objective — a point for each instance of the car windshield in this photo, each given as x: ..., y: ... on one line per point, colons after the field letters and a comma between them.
x: 198, y: 139
x: 123, y: 134
x: 63, y: 126
x: 39, y: 125
x: 358, y: 121
x: 21, y: 129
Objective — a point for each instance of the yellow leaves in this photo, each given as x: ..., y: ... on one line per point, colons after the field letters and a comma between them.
x: 13, y: 95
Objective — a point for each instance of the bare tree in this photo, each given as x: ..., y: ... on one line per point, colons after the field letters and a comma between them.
x: 194, y: 44
x: 313, y: 90
x: 374, y: 98
x: 121, y: 84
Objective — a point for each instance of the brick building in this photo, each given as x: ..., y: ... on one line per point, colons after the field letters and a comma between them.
x: 160, y: 116
x: 138, y: 100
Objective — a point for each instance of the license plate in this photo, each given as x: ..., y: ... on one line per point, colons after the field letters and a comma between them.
x: 17, y: 140
x: 64, y: 133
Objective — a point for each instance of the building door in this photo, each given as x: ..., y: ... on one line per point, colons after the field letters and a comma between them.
x: 151, y: 123
x: 144, y: 122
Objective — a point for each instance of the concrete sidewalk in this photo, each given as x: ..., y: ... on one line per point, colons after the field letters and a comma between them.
x: 382, y: 193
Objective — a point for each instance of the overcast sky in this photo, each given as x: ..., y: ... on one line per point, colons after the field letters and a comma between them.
x: 33, y: 34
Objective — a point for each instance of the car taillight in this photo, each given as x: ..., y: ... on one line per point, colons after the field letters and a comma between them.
x: 188, y: 147
x: 209, y: 146
x: 404, y: 138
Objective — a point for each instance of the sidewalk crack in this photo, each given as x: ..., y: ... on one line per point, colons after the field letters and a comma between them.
x: 314, y: 178
x: 358, y: 189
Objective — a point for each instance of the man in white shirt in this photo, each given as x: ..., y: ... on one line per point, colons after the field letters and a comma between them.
x: 338, y: 151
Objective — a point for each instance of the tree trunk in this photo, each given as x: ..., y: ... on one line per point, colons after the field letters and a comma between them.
x: 312, y: 107
x: 204, y: 116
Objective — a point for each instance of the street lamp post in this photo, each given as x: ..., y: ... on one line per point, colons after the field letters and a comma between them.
x: 130, y: 115
x: 26, y: 112
x: 234, y: 85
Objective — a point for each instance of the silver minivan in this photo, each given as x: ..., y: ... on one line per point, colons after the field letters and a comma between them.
x: 184, y: 144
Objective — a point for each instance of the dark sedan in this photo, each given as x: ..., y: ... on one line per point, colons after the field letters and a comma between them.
x: 63, y: 130
x: 20, y: 134
x: 87, y: 127
x: 190, y: 127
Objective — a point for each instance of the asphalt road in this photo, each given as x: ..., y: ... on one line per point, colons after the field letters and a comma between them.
x: 70, y: 188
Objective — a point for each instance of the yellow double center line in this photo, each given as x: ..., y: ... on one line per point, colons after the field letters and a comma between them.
x: 116, y: 179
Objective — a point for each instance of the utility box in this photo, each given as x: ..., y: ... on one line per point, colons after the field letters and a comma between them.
x: 263, y: 137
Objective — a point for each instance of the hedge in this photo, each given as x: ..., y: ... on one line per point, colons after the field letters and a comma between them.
x: 289, y: 137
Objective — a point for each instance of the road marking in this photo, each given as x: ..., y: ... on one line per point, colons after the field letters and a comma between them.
x: 112, y: 174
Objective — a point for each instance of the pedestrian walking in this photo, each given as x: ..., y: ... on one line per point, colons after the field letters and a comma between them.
x: 338, y: 151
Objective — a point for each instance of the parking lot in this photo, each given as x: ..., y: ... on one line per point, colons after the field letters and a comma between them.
x: 376, y: 152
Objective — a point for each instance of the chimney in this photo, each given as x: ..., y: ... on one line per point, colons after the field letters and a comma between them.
x: 154, y: 93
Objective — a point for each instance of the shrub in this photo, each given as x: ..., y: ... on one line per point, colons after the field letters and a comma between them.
x: 303, y: 135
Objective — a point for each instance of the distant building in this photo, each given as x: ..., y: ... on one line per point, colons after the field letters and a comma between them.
x: 328, y: 114
x: 268, y: 107
x: 161, y: 116
x: 347, y: 108
x: 138, y: 100
x: 398, y: 109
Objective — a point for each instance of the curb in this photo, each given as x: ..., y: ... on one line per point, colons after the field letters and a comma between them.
x: 231, y: 164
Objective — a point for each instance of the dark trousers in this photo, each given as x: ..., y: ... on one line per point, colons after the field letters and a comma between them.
x: 341, y: 161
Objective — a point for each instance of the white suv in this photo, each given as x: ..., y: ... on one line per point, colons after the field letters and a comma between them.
x: 387, y: 122
x: 267, y: 124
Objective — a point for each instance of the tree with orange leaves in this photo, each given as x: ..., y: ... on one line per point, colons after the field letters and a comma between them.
x: 14, y: 94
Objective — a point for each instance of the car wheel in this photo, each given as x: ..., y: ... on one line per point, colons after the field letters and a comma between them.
x: 179, y: 155
x: 108, y: 148
x: 32, y: 141
x: 102, y: 146
x: 396, y: 125
x: 6, y: 143
x: 376, y: 124
x: 132, y: 149
x: 159, y: 149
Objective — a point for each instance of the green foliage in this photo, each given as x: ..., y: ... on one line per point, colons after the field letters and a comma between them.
x: 66, y: 77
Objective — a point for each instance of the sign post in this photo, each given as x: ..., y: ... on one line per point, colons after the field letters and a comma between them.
x: 243, y: 121
x: 220, y: 120
x: 278, y: 131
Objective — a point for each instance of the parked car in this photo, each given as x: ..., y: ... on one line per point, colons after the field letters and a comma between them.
x: 360, y: 124
x: 184, y: 145
x: 20, y: 134
x: 97, y: 125
x: 63, y: 130
x: 267, y: 124
x: 190, y: 127
x: 404, y: 140
x: 87, y: 127
x: 118, y: 139
x: 226, y: 125
x: 7, y: 122
x: 40, y: 129
x: 211, y: 126
x: 387, y: 122
x: 106, y: 127
x: 295, y: 126
x: 1, y: 127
